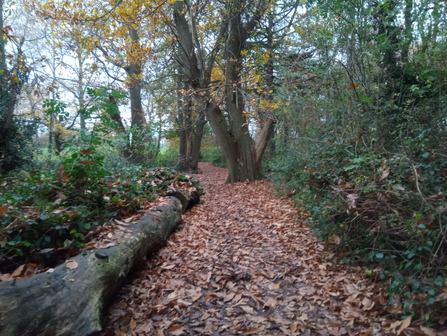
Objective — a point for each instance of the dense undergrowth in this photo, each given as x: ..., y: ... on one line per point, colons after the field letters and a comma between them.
x: 384, y: 211
x: 49, y: 210
x: 213, y: 154
x: 209, y: 152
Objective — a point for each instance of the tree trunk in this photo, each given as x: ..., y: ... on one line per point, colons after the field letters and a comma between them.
x: 408, y: 20
x: 69, y: 302
x: 181, y: 116
x: 11, y: 82
x: 195, y: 150
x: 244, y: 165
x: 184, y: 122
x: 58, y: 142
x: 134, y: 73
x: 138, y: 118
x: 263, y: 139
x: 240, y: 160
x: 233, y: 136
x: 116, y: 115
x: 81, y: 88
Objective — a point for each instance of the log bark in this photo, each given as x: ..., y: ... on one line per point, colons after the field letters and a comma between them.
x: 71, y: 301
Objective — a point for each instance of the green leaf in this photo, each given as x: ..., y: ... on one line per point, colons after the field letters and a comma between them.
x: 351, y: 167
x: 26, y: 174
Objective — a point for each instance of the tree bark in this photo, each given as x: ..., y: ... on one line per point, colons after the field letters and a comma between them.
x: 11, y: 82
x: 138, y: 119
x: 408, y: 33
x: 69, y: 302
x: 244, y: 165
x: 136, y: 105
x: 263, y: 139
x: 196, y: 144
x: 81, y: 87
x: 116, y: 115
x: 134, y: 73
x: 184, y: 122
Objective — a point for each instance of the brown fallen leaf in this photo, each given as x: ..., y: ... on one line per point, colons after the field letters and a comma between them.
x: 404, y: 325
x: 3, y: 209
x: 18, y: 271
x: 293, y: 327
x: 132, y: 324
x: 229, y: 297
x: 428, y: 331
x: 308, y: 290
x: 260, y: 270
x: 395, y: 324
x: 278, y: 319
x: 6, y: 277
x: 183, y: 303
x: 167, y: 267
x: 271, y: 302
x: 251, y: 331
x: 60, y: 197
x: 337, y: 239
x: 71, y: 264
x: 367, y: 304
x: 247, y: 309
x: 176, y: 329
x: 198, y: 296
x: 303, y: 317
x: 237, y: 298
x: 367, y: 333
x: 29, y: 271
x: 384, y: 175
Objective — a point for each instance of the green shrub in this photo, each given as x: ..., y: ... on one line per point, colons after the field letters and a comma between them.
x: 384, y: 210
x: 56, y: 208
x: 56, y: 202
x: 168, y: 158
x: 214, y: 155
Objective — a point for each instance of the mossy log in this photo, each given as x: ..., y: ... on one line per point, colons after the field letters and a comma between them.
x: 71, y: 301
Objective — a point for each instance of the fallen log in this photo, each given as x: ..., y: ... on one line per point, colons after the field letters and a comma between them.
x: 71, y: 301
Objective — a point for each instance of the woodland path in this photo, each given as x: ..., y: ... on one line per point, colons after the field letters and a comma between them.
x: 242, y: 264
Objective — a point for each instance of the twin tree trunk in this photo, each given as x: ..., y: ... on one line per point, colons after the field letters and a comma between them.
x: 190, y: 130
x: 243, y: 157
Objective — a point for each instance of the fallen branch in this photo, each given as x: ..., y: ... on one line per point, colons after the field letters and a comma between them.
x: 70, y: 300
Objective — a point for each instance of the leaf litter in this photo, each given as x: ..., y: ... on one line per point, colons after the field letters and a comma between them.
x: 242, y: 263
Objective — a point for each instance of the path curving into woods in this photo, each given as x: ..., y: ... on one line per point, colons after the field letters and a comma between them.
x: 243, y: 264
